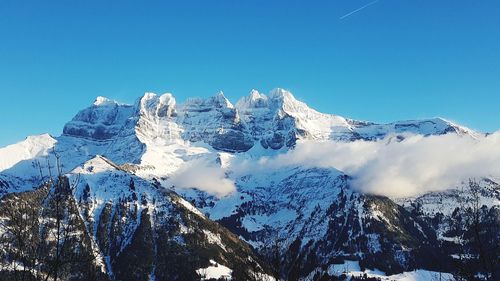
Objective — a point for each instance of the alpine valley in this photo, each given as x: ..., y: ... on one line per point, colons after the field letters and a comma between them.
x: 159, y: 190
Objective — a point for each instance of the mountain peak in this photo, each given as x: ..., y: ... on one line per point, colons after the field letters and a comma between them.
x: 97, y: 164
x: 220, y: 99
x: 255, y: 95
x: 31, y: 147
x: 286, y: 102
x: 281, y: 94
x: 275, y: 120
x: 103, y: 101
x: 255, y: 99
x: 252, y: 100
x: 459, y: 129
x: 220, y: 94
x: 161, y: 106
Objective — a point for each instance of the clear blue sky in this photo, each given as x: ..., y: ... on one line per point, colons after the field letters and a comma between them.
x: 392, y: 60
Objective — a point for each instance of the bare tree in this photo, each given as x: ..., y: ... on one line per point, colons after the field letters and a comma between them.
x: 42, y: 235
x: 478, y: 229
x: 20, y: 242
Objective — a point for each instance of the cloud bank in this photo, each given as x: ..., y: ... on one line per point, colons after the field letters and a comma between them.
x: 387, y: 167
x: 204, y: 175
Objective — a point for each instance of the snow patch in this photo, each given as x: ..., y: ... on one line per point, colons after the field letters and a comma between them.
x: 190, y: 207
x: 352, y: 269
x: 215, y: 271
x: 213, y: 238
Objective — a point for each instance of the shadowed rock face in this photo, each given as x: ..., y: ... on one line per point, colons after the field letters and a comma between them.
x: 231, y: 141
x: 216, y: 122
x: 101, y: 121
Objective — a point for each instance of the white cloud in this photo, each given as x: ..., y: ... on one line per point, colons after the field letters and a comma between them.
x: 387, y: 167
x: 422, y: 164
x: 205, y: 176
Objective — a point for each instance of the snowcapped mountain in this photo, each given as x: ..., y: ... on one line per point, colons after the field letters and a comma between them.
x: 274, y: 121
x: 158, y: 135
x: 186, y: 185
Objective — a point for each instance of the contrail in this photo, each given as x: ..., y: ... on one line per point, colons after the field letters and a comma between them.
x: 357, y: 10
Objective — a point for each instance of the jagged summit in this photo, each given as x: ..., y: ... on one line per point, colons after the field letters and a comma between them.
x: 274, y: 121
x: 281, y: 94
x: 218, y: 100
x: 277, y: 97
x: 153, y: 105
x: 134, y: 133
x: 221, y: 99
x: 253, y: 100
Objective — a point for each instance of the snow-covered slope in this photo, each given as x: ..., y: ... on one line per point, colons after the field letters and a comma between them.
x: 32, y: 147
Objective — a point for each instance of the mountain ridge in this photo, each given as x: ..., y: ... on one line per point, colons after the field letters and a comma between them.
x: 310, y: 217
